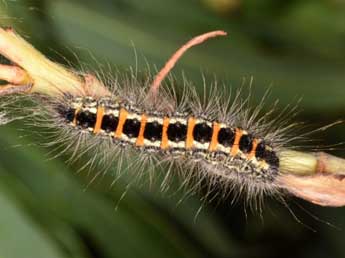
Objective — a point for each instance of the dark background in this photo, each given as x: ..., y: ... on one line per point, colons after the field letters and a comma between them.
x: 297, y: 47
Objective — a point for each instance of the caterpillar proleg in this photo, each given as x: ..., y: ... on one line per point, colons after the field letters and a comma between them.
x: 219, y: 139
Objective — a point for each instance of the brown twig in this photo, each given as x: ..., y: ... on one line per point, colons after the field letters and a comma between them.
x: 177, y: 55
x: 321, y: 189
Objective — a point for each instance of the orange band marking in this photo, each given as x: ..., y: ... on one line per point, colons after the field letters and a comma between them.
x: 99, y: 118
x: 190, y: 128
x: 122, y: 119
x: 75, y: 116
x: 140, y: 139
x: 165, y: 141
x: 252, y: 152
x: 236, y: 146
x: 214, y: 140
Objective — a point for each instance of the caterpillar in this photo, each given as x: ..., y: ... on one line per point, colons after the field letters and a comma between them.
x: 225, y: 150
x: 175, y: 134
x: 226, y: 143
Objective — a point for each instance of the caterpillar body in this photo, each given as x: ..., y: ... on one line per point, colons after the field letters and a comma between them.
x: 229, y: 143
x: 219, y: 145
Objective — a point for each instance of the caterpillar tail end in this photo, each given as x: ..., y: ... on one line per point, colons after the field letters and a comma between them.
x: 316, y: 177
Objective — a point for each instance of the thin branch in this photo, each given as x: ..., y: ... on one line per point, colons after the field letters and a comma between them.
x: 34, y: 69
x: 316, y: 177
x: 314, y: 163
x: 14, y: 74
x: 177, y: 55
x: 9, y: 89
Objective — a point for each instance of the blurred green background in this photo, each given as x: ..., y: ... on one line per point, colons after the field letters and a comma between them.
x: 297, y: 47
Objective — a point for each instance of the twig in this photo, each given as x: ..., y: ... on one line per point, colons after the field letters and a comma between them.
x: 304, y: 164
x: 317, y: 177
x: 36, y: 72
x: 177, y: 55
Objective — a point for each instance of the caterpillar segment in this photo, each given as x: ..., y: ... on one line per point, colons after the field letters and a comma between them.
x: 214, y: 142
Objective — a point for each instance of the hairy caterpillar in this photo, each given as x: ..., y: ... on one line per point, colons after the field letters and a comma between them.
x: 227, y: 143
